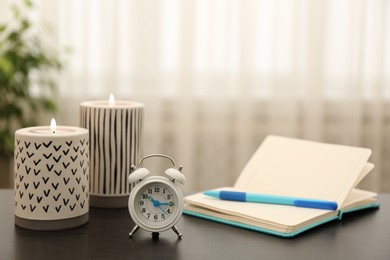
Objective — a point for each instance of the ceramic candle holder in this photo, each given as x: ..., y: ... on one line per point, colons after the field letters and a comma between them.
x: 51, y: 177
x: 115, y: 132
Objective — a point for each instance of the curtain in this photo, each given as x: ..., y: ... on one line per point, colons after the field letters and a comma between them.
x: 217, y: 76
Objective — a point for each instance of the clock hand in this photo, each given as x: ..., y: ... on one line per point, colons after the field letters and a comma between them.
x: 157, y: 204
x: 151, y: 199
x: 167, y: 203
x: 162, y: 210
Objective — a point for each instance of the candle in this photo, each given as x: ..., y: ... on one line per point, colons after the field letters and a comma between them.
x: 115, y: 130
x: 51, y: 177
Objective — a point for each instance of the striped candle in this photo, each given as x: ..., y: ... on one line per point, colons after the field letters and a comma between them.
x: 115, y: 131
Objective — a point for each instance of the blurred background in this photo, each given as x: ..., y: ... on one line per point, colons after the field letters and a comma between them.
x: 218, y: 76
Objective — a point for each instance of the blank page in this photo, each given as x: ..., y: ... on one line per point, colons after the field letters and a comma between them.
x: 271, y: 216
x: 306, y: 169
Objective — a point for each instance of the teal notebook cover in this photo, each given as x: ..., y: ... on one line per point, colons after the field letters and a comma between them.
x: 276, y: 233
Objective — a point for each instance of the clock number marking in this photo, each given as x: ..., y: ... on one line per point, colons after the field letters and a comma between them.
x: 156, y: 203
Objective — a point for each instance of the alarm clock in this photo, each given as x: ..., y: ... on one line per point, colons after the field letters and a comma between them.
x: 156, y: 202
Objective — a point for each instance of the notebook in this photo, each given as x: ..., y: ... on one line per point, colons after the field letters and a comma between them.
x: 295, y: 168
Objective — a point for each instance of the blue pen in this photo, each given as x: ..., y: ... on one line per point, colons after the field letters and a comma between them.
x: 272, y: 199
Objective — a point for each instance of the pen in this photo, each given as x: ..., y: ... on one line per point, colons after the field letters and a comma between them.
x: 272, y: 199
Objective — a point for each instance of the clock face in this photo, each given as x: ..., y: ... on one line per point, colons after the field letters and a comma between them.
x: 156, y: 204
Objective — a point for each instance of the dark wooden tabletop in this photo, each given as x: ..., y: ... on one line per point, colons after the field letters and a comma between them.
x: 362, y: 235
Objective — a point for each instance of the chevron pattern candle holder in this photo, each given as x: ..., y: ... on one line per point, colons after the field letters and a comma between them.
x: 51, y: 177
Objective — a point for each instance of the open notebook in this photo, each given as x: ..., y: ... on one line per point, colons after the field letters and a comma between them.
x: 295, y: 168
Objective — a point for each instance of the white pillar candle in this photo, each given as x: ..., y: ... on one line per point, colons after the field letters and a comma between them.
x: 51, y: 177
x: 115, y: 130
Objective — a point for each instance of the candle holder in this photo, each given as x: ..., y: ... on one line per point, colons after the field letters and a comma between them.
x: 51, y: 177
x: 115, y: 131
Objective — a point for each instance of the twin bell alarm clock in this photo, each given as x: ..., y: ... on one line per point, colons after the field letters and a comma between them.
x: 156, y: 202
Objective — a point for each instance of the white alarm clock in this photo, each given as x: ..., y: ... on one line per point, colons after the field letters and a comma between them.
x: 156, y: 202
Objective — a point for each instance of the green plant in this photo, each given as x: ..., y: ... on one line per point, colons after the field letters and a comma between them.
x: 27, y: 84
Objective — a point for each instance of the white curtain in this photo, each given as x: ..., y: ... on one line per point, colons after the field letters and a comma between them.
x: 217, y: 76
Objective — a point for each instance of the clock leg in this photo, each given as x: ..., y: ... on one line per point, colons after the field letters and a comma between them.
x: 135, y: 229
x: 155, y: 235
x: 179, y: 235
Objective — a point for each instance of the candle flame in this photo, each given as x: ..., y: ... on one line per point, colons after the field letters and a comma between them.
x: 53, y: 125
x: 111, y: 100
